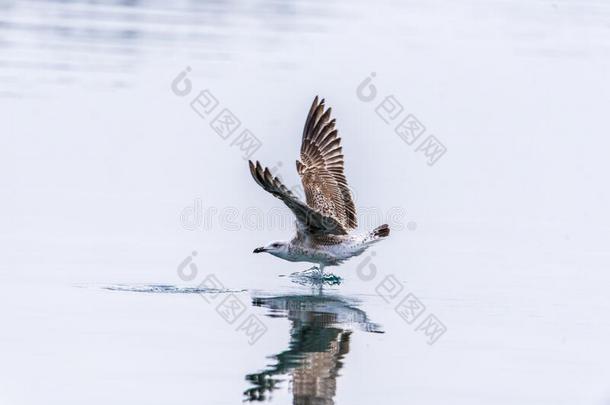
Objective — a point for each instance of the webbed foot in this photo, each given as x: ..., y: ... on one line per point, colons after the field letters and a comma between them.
x: 314, y: 269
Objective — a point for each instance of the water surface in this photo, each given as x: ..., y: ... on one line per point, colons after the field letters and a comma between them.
x: 128, y: 222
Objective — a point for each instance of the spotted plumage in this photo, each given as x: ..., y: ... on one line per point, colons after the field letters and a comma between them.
x: 327, y: 219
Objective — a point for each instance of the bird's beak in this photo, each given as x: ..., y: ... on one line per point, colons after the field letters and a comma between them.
x: 258, y: 250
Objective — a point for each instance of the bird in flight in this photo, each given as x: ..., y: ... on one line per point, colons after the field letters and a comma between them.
x: 326, y: 222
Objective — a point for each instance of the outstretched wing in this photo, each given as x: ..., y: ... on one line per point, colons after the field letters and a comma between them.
x: 309, y: 219
x: 321, y: 168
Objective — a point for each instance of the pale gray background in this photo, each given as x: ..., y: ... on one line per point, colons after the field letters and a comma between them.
x: 99, y: 157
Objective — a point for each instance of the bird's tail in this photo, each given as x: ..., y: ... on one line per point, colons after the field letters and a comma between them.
x: 378, y: 234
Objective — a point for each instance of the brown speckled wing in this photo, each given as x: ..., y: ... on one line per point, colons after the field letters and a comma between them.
x: 309, y: 219
x: 321, y: 168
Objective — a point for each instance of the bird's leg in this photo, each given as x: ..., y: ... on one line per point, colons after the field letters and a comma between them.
x: 321, y: 270
x: 312, y: 268
x: 309, y: 270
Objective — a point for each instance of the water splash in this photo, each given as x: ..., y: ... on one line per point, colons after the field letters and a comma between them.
x: 313, y: 277
x: 167, y: 289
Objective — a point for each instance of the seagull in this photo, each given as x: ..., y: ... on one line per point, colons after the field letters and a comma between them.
x: 326, y: 222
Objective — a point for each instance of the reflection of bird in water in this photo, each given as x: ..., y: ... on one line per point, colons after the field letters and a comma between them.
x: 319, y: 340
x: 316, y: 378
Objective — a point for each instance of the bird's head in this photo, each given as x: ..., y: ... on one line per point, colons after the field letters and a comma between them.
x: 277, y: 248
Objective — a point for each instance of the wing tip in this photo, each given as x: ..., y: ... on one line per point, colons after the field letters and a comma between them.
x: 257, y: 175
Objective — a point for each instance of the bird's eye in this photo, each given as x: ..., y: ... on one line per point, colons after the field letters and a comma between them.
x: 276, y: 245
